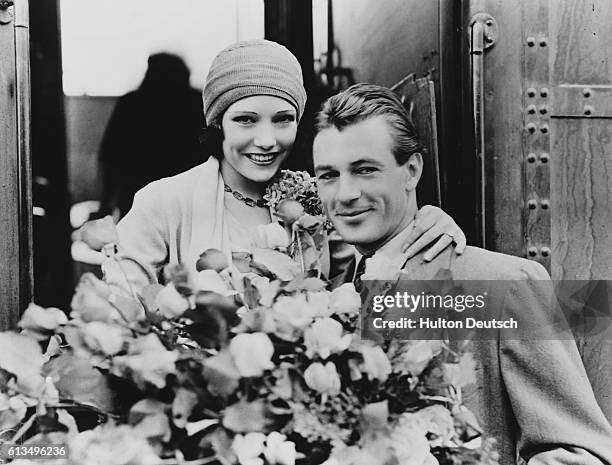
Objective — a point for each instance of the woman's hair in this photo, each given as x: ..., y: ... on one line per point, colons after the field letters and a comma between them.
x: 211, y: 141
x: 363, y: 101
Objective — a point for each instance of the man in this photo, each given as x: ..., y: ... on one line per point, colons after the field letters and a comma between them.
x: 533, y: 396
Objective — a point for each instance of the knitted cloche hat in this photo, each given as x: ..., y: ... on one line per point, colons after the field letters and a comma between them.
x: 252, y: 67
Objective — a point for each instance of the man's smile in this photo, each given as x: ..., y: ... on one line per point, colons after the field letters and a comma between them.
x: 353, y: 214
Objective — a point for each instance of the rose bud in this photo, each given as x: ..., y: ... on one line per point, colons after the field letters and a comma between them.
x: 212, y: 259
x: 289, y: 211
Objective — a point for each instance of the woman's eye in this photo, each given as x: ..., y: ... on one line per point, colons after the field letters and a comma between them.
x: 285, y: 119
x: 244, y: 119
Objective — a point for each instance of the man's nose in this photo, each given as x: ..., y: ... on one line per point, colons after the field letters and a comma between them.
x: 348, y: 189
x: 265, y: 137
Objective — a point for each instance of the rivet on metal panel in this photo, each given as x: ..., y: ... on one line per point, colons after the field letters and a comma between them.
x: 531, y: 128
x: 532, y: 204
x: 532, y: 251
x: 543, y: 109
x: 587, y: 92
x: 531, y: 41
x: 545, y: 251
x: 531, y: 109
x: 544, y: 92
x: 531, y: 92
x: 588, y: 110
x: 544, y: 157
x: 544, y: 128
x: 531, y: 157
x: 544, y: 204
x: 542, y: 41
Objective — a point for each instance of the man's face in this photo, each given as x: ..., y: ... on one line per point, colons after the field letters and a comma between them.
x: 368, y: 196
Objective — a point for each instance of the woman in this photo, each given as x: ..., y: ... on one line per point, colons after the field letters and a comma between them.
x: 253, y: 100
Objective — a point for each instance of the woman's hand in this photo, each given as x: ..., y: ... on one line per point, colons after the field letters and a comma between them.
x: 431, y: 223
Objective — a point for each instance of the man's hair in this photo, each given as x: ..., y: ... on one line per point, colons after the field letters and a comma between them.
x: 363, y: 101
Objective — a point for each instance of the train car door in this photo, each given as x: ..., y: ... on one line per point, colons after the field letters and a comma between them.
x: 15, y: 170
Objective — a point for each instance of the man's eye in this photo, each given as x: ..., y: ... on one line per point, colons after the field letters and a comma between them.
x: 365, y: 170
x: 325, y: 176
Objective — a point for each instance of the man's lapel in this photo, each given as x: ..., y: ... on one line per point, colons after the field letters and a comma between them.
x: 345, y: 277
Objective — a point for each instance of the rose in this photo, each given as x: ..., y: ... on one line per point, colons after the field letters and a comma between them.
x: 148, y: 360
x: 324, y: 337
x: 212, y: 259
x: 209, y: 280
x: 91, y: 300
x: 267, y: 289
x: 289, y: 211
x: 416, y: 355
x: 345, y: 299
x: 272, y: 236
x: 102, y: 337
x: 320, y: 303
x: 375, y: 363
x: 294, y: 310
x: 249, y: 447
x: 38, y: 322
x: 278, y: 451
x: 252, y: 353
x: 111, y: 444
x: 323, y: 378
x: 439, y: 424
x: 170, y: 303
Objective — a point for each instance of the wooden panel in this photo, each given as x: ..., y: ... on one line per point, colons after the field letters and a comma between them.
x: 581, y: 171
x: 382, y: 44
x: 419, y: 98
x: 504, y: 126
x: 580, y: 42
x: 9, y: 182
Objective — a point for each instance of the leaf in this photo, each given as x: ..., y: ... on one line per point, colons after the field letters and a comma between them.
x: 375, y: 415
x: 76, y: 379
x: 150, y: 420
x: 22, y: 357
x: 246, y: 417
x: 12, y: 411
x: 221, y: 373
x: 148, y: 295
x: 129, y: 308
x: 276, y: 263
x: 306, y: 284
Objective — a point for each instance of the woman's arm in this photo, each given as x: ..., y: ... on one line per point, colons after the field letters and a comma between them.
x: 432, y: 223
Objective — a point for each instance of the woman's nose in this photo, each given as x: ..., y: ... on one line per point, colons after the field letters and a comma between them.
x: 265, y: 137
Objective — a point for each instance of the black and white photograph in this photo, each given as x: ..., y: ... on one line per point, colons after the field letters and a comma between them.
x: 306, y: 232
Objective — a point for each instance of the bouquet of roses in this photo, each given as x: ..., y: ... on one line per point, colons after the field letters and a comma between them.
x: 262, y: 365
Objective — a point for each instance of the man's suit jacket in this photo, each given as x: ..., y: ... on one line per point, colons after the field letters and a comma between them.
x: 533, y: 396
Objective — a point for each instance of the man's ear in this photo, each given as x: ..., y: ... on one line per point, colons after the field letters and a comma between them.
x: 414, y: 170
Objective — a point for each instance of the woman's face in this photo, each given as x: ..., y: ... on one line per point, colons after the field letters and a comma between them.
x: 258, y: 133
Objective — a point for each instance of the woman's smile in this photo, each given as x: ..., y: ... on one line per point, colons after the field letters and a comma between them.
x: 263, y: 158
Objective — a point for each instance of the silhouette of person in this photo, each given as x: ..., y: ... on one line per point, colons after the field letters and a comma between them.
x: 153, y: 133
